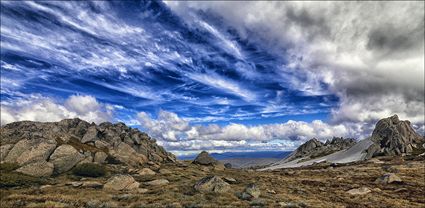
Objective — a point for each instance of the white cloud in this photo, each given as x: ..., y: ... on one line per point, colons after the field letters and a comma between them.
x: 176, y: 133
x: 39, y: 108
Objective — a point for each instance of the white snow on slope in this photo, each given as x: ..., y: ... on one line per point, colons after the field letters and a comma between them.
x: 355, y: 153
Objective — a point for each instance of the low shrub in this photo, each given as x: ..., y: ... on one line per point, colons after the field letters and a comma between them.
x: 89, y: 170
x: 12, y: 179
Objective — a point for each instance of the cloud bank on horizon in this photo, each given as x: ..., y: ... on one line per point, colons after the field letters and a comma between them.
x: 204, y: 75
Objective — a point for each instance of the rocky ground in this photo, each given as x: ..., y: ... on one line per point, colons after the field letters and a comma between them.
x: 172, y: 185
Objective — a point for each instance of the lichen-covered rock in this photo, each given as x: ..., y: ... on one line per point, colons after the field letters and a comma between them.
x: 251, y: 192
x: 121, y: 182
x: 37, y: 169
x: 16, y: 151
x: 212, y: 184
x: 359, y: 191
x: 37, y: 153
x: 4, y: 150
x: 64, y: 158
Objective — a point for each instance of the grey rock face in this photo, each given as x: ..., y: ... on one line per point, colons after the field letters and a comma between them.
x: 394, y: 137
x: 251, y: 192
x: 91, y: 135
x: 37, y: 169
x: 26, y: 142
x: 212, y: 184
x: 64, y: 158
x: 205, y: 159
x: 39, y: 152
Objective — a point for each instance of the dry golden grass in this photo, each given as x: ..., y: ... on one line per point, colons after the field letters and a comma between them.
x: 313, y: 187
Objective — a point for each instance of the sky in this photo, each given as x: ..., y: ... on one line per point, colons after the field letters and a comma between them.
x: 217, y: 76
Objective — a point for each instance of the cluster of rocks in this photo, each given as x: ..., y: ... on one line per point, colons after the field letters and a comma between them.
x: 48, y: 148
x: 392, y: 136
x: 314, y: 148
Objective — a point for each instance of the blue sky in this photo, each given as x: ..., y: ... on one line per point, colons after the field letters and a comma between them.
x: 184, y: 67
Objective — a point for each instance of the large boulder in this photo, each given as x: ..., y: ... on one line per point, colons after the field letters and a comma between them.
x: 205, y: 159
x: 19, y: 148
x: 91, y: 135
x: 121, y: 182
x: 394, y: 137
x: 37, y: 169
x: 100, y: 157
x: 64, y: 158
x: 212, y: 184
x: 37, y: 153
x: 126, y: 154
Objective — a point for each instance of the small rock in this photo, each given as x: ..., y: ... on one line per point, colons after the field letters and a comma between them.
x: 212, y: 184
x: 400, y: 190
x: 271, y: 191
x: 121, y: 182
x: 124, y: 197
x: 165, y: 171
x: 251, y: 192
x: 376, y: 190
x: 228, y: 165
x: 293, y: 204
x: 322, y: 189
x: 158, y: 182
x: 359, y: 191
x: 141, y: 190
x: 388, y: 178
x: 92, y: 184
x: 390, y: 169
x: 74, y: 184
x: 230, y: 180
x: 45, y: 187
x: 146, y: 171
x: 340, y: 179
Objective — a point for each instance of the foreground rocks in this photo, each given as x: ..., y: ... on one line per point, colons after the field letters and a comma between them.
x: 388, y: 178
x: 212, y: 184
x: 121, y: 182
x: 66, y: 143
x: 251, y: 192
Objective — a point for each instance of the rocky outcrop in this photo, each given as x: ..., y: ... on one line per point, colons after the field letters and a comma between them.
x: 70, y: 141
x: 205, y: 159
x: 212, y: 184
x: 314, y: 148
x: 392, y: 136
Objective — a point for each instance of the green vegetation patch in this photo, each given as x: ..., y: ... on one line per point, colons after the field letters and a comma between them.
x: 89, y: 170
